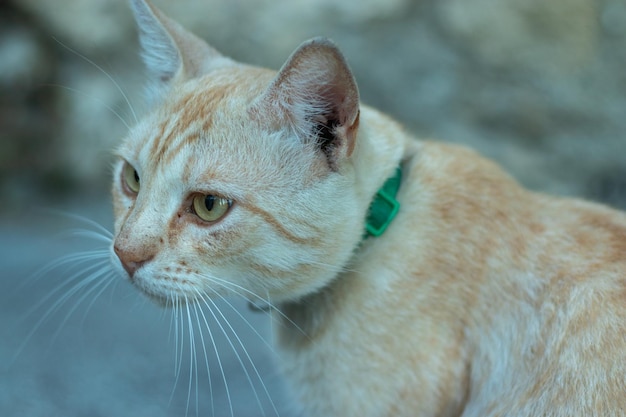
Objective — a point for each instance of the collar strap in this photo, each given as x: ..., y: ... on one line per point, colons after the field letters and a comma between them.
x: 384, y: 207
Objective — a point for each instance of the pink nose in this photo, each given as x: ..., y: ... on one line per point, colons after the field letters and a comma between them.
x: 130, y: 261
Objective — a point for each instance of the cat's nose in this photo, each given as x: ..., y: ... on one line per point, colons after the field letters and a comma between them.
x: 130, y: 261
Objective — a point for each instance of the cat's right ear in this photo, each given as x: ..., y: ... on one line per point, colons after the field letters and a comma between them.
x: 171, y: 53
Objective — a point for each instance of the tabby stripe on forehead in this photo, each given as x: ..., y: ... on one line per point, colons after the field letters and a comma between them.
x: 156, y: 140
x: 160, y: 141
x: 187, y: 172
x: 194, y: 108
x: 170, y: 154
x: 158, y: 155
x: 278, y: 226
x: 166, y: 148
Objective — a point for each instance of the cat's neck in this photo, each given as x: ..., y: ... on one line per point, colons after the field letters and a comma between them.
x: 382, y: 145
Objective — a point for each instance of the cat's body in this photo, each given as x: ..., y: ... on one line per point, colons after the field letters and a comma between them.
x: 499, y: 302
x: 480, y: 299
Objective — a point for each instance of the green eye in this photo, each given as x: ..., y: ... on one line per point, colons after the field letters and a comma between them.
x: 131, y: 178
x: 210, y: 208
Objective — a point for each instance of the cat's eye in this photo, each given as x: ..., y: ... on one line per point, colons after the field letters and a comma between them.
x: 131, y: 178
x: 210, y: 208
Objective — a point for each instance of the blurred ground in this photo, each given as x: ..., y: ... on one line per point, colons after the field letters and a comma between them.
x: 114, y: 353
x: 539, y: 86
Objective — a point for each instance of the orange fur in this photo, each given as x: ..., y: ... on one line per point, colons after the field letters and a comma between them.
x: 481, y: 299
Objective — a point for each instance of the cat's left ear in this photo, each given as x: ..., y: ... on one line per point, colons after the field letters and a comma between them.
x: 171, y: 53
x: 316, y: 94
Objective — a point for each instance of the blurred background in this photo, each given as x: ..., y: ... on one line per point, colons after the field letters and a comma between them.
x: 538, y: 85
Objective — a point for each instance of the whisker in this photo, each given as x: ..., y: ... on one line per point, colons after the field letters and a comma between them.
x: 245, y: 351
x: 74, y: 259
x: 191, y: 358
x: 65, y: 283
x: 219, y: 361
x: 180, y: 341
x: 177, y: 312
x: 230, y: 285
x: 95, y: 99
x: 245, y: 320
x: 172, y: 324
x: 110, y: 279
x: 73, y: 266
x: 99, y: 68
x: 89, y: 234
x: 101, y: 235
x: 206, y: 359
x: 116, y: 282
x: 272, y: 329
x: 74, y: 287
x: 83, y: 219
x: 80, y: 300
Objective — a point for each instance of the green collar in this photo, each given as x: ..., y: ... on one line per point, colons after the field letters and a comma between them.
x: 384, y: 207
x: 382, y: 211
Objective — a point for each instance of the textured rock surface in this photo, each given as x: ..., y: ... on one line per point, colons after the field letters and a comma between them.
x: 558, y: 35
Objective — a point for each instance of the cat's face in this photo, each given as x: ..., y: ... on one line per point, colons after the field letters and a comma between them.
x: 234, y: 183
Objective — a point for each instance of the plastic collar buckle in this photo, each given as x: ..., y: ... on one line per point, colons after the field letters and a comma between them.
x: 385, y: 207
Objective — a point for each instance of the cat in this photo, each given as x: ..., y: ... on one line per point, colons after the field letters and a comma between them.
x: 411, y: 277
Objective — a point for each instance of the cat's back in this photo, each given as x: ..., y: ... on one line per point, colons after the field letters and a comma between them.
x: 468, y: 195
x: 539, y: 283
x: 509, y: 236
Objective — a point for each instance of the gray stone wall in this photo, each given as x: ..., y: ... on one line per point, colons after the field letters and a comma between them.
x: 538, y: 85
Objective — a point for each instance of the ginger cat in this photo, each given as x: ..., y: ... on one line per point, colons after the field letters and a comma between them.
x: 479, y: 299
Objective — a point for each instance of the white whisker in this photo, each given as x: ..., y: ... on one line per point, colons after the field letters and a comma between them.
x: 99, y: 68
x: 172, y: 321
x: 74, y: 287
x: 219, y: 361
x: 99, y: 228
x: 73, y: 284
x: 95, y: 99
x: 235, y: 288
x: 82, y: 298
x: 192, y: 356
x: 90, y: 234
x: 110, y: 279
x: 73, y: 260
x: 245, y: 351
x: 68, y: 281
x: 246, y: 321
x: 206, y: 358
x: 178, y: 349
x: 271, y: 316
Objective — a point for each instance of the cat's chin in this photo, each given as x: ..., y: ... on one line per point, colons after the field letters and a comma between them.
x: 159, y: 300
x: 166, y: 301
x: 162, y: 300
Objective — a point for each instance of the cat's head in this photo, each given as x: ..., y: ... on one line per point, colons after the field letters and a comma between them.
x: 239, y: 179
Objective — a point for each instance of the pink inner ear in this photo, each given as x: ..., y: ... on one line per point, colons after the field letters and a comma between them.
x: 316, y: 93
